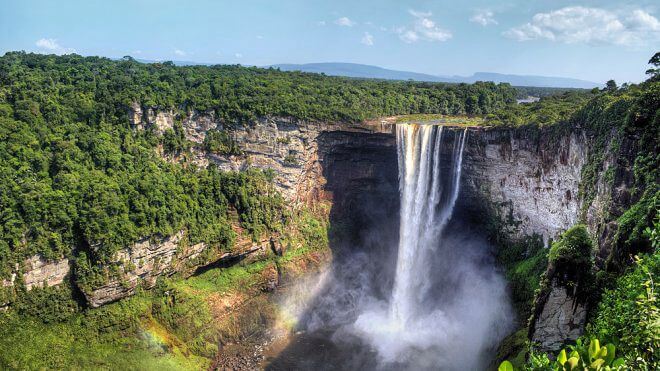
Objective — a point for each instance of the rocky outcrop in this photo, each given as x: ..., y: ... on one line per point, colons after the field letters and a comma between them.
x: 158, y: 119
x: 143, y: 263
x: 37, y: 271
x: 561, y: 320
x: 290, y: 147
x: 530, y: 178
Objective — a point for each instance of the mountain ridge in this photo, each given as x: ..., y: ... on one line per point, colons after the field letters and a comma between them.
x: 369, y: 71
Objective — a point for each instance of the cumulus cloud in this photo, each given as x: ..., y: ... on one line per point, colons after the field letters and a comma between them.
x: 423, y: 28
x: 238, y: 55
x: 484, y: 18
x: 52, y: 46
x: 180, y: 52
x: 344, y: 22
x: 577, y: 24
x: 367, y: 39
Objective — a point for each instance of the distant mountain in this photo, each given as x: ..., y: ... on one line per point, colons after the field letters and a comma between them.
x: 361, y: 71
x: 532, y: 80
x: 367, y: 71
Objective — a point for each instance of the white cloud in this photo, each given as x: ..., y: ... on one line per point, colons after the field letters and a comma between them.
x: 345, y: 22
x: 484, y: 18
x: 180, y: 52
x: 367, y: 39
x: 53, y: 46
x: 238, y: 55
x: 137, y: 51
x: 320, y: 23
x: 579, y: 24
x: 423, y: 28
x: 260, y: 37
x: 641, y: 20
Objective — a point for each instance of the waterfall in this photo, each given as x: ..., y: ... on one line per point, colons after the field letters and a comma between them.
x: 427, y: 203
x: 446, y: 295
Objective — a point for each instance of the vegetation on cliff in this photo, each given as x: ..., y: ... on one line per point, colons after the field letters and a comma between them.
x: 621, y: 197
x: 179, y: 325
x: 73, y: 174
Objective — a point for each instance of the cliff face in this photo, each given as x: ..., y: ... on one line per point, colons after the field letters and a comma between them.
x: 312, y: 161
x: 529, y: 178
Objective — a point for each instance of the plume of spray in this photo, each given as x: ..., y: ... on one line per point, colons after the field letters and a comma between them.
x: 445, y: 305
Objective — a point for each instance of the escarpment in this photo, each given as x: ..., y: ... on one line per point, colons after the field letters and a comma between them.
x: 528, y: 180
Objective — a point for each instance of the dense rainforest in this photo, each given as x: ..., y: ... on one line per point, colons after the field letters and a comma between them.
x: 77, y: 181
x: 75, y: 174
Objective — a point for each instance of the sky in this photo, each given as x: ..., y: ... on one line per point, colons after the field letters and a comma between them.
x: 590, y: 40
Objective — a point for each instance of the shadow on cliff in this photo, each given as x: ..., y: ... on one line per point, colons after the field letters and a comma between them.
x: 362, y: 181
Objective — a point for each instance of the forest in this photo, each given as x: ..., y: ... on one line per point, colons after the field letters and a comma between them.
x: 77, y: 181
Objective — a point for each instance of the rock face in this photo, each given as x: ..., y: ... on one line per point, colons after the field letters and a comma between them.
x: 288, y: 146
x: 40, y: 272
x: 531, y: 179
x: 562, y: 319
x: 143, y: 263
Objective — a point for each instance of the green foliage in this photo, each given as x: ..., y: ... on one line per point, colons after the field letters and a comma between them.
x: 112, y: 337
x: 220, y: 142
x: 49, y: 304
x: 235, y: 92
x: 571, y: 263
x: 628, y: 314
x: 174, y: 140
x: 653, y: 233
x: 505, y: 366
x: 580, y: 356
x: 290, y: 160
x: 631, y: 236
x: 523, y: 262
x: 549, y: 110
x: 574, y: 247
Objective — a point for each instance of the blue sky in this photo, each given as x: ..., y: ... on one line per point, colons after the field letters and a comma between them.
x: 592, y: 40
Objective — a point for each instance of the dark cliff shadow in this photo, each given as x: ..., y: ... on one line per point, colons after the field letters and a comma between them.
x: 362, y: 180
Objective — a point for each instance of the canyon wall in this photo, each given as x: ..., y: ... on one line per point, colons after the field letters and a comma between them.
x: 528, y: 178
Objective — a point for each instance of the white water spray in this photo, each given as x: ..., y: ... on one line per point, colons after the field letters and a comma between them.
x: 423, y: 215
x: 444, y: 300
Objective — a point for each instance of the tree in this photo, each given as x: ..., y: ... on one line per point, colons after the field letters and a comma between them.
x: 610, y: 85
x: 654, y: 73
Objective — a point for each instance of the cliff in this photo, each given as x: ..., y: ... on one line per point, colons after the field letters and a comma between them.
x: 526, y: 179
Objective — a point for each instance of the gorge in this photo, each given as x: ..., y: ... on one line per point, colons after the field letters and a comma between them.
x: 223, y: 224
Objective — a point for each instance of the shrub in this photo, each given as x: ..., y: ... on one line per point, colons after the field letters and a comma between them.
x: 580, y: 356
x: 628, y: 314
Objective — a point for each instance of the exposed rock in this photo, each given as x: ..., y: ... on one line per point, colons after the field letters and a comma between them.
x: 142, y: 263
x: 286, y: 145
x: 145, y: 261
x: 39, y: 272
x: 530, y: 178
x: 561, y: 320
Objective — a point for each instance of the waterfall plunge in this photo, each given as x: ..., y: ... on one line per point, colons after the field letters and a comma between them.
x: 424, y: 211
x: 447, y: 306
